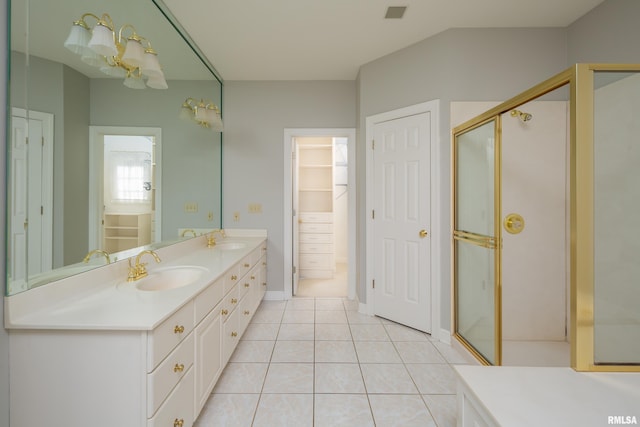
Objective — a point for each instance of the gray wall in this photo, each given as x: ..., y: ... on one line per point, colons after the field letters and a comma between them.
x: 455, y: 65
x: 75, y: 173
x: 4, y: 336
x: 190, y: 153
x: 256, y: 114
x: 608, y: 33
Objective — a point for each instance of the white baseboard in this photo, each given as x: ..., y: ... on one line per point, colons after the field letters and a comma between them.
x: 445, y: 336
x: 362, y: 308
x: 274, y: 296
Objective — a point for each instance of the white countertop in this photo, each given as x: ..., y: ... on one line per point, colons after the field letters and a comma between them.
x: 102, y: 299
x: 527, y: 396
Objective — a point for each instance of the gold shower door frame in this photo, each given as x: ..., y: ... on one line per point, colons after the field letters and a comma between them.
x: 580, y: 79
x: 488, y: 242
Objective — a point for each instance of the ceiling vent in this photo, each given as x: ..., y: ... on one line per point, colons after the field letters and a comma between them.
x: 395, y: 12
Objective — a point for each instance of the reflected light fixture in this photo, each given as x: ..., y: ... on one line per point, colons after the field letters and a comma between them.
x: 129, y: 57
x: 205, y: 113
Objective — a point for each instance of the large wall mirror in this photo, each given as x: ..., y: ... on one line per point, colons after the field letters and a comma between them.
x: 97, y: 160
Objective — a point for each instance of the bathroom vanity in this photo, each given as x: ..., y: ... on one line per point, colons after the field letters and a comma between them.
x: 97, y: 350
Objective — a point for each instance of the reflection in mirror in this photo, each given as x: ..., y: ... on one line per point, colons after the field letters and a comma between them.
x: 67, y: 196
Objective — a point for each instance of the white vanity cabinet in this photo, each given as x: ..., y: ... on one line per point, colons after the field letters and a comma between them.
x: 138, y: 378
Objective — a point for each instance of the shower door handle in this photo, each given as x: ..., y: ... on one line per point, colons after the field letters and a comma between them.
x: 514, y: 223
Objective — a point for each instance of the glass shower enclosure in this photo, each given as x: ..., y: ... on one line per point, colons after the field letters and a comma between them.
x: 604, y: 193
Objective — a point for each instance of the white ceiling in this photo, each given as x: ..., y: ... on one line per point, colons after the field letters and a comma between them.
x: 331, y: 39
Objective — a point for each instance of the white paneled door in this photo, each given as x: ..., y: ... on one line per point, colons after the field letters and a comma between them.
x: 31, y: 217
x: 401, y: 219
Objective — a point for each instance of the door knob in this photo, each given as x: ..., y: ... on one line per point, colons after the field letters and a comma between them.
x: 423, y: 234
x: 514, y: 223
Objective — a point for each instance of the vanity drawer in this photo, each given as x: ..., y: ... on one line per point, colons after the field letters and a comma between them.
x: 316, y: 228
x: 315, y: 238
x: 244, y: 286
x: 178, y: 406
x: 208, y: 299
x: 162, y: 380
x: 229, y: 303
x: 169, y: 334
x: 245, y: 265
x: 231, y: 278
x: 316, y: 248
x: 316, y: 217
x: 323, y: 261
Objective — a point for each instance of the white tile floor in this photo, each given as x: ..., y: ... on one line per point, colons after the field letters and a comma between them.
x: 318, y: 362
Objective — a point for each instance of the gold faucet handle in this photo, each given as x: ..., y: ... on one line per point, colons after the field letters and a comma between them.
x: 211, y: 241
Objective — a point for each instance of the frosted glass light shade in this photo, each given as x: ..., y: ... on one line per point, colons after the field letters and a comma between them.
x: 92, y: 58
x: 201, y: 115
x: 102, y: 41
x: 150, y: 65
x: 78, y: 39
x: 113, y: 71
x: 133, y: 53
x: 134, y: 82
x: 186, y: 113
x: 157, y: 82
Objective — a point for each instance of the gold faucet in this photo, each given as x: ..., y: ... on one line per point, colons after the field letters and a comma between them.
x: 97, y: 251
x: 184, y: 232
x: 211, y: 240
x: 139, y: 271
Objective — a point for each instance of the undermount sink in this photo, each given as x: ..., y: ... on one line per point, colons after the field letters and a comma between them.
x: 167, y: 278
x: 227, y: 246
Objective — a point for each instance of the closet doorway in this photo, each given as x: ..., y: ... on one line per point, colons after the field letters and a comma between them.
x: 320, y: 213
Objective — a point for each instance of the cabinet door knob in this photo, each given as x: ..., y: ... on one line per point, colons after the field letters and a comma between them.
x: 246, y: 285
x: 246, y: 312
x: 246, y: 265
x: 264, y: 283
x: 178, y: 329
x: 225, y: 311
x: 178, y: 422
x: 234, y: 334
x: 234, y: 300
x: 253, y: 277
x: 234, y: 277
x: 178, y: 367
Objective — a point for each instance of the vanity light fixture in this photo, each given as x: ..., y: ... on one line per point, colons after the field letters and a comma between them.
x: 129, y: 57
x: 205, y: 113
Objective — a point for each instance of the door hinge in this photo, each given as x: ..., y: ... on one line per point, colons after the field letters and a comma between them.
x: 294, y: 269
x: 373, y: 144
x: 43, y: 141
x: 41, y: 210
x: 294, y: 212
x: 373, y: 214
x: 26, y: 140
x: 374, y: 283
